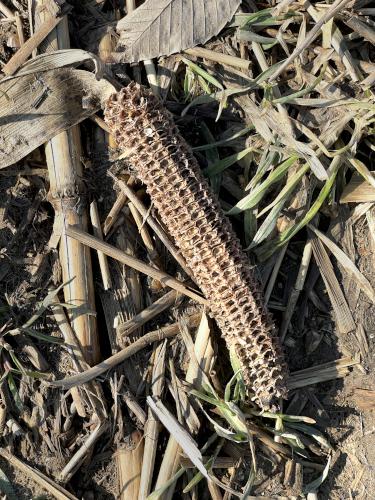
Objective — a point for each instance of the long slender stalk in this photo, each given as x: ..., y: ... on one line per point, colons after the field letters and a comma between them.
x: 131, y: 261
x: 147, y: 314
x: 127, y: 352
x: 67, y: 194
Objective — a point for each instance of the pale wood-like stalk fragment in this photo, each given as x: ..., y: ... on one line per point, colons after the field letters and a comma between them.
x: 67, y: 195
x: 129, y: 464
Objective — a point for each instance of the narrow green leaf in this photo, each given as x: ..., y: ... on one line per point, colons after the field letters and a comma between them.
x: 268, y: 225
x: 250, y: 36
x: 270, y: 247
x: 47, y: 301
x: 287, y: 98
x: 313, y: 432
x: 198, y: 477
x: 14, y: 391
x: 254, y: 197
x: 314, y: 485
x: 221, y: 165
x: 42, y: 336
x: 203, y: 73
x: 212, y: 156
x: 287, y: 189
x: 223, y: 142
x: 157, y: 494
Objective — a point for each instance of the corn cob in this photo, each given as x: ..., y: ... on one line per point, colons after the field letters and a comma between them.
x: 164, y: 162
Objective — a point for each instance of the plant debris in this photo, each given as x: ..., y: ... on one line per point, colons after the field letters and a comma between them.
x: 233, y: 176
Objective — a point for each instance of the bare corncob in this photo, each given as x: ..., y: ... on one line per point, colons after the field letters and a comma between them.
x: 164, y: 162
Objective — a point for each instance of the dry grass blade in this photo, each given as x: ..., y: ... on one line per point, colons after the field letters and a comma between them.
x: 168, y: 468
x: 343, y: 316
x: 338, y: 43
x: 147, y: 314
x: 346, y: 263
x: 131, y: 261
x: 77, y: 459
x: 203, y: 354
x: 103, y: 262
x: 182, y: 437
x: 358, y: 190
x: 225, y: 59
x: 329, y: 14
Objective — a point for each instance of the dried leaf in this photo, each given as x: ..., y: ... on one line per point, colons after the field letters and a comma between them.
x: 163, y: 27
x: 182, y: 437
x: 346, y: 263
x: 36, y: 107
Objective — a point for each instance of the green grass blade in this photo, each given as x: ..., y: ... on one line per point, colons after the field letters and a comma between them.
x: 203, y: 73
x: 270, y: 247
x: 224, y: 142
x: 225, y: 163
x: 287, y: 189
x: 255, y: 196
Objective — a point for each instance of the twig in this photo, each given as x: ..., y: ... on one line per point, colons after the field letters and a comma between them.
x: 119, y: 357
x: 114, y: 212
x: 145, y: 235
x: 76, y: 460
x: 129, y: 260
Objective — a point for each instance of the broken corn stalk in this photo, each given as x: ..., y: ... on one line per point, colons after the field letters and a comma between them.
x: 165, y: 164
